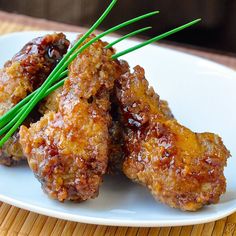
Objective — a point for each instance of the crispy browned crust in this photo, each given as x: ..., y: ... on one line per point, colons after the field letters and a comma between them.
x: 23, y: 74
x: 116, y: 137
x: 116, y: 152
x: 181, y: 168
x: 68, y: 149
x: 51, y: 102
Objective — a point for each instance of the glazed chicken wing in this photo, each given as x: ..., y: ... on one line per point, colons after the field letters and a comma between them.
x: 181, y: 168
x: 68, y: 149
x: 23, y: 74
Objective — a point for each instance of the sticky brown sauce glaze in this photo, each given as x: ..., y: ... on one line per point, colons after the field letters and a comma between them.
x: 39, y: 57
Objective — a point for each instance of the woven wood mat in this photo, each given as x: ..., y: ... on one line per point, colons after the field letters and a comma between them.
x: 15, y: 221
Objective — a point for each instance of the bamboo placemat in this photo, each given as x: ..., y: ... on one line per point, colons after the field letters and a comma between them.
x: 15, y: 221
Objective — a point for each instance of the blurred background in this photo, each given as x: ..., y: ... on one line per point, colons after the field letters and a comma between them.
x: 216, y: 31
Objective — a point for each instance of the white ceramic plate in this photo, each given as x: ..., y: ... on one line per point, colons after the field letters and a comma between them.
x: 201, y: 95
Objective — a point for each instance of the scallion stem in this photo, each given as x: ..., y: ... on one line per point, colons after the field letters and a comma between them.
x: 159, y: 37
x: 19, y: 113
x: 128, y: 36
x: 53, y: 76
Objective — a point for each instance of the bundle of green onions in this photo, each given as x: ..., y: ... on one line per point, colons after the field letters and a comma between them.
x: 11, y: 120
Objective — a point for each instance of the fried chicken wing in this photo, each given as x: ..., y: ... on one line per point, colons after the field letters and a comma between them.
x: 181, y: 168
x: 23, y: 74
x: 68, y: 149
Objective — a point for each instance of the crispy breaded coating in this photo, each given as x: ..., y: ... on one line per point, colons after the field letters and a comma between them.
x: 117, y: 142
x: 68, y: 150
x: 181, y: 168
x: 116, y: 152
x: 51, y: 102
x: 23, y: 74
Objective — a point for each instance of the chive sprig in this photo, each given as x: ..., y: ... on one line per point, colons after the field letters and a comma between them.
x: 11, y: 120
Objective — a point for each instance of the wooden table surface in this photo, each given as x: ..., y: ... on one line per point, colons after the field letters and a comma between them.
x: 15, y: 221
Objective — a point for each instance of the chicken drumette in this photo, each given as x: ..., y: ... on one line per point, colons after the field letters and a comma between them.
x: 68, y: 149
x: 181, y: 168
x: 23, y: 74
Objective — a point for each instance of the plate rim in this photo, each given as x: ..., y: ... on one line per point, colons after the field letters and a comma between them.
x: 107, y: 221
